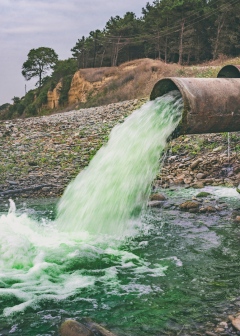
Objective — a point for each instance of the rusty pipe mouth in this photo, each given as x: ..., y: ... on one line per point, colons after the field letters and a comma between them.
x: 166, y: 85
x: 210, y: 105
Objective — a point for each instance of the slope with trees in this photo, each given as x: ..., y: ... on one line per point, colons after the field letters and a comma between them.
x: 186, y: 32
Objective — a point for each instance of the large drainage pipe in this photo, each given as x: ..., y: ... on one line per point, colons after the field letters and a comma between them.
x: 211, y: 105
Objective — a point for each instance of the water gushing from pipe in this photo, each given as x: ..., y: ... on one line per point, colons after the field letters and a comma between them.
x: 116, y: 184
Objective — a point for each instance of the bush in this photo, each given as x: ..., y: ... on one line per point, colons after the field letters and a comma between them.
x: 30, y: 110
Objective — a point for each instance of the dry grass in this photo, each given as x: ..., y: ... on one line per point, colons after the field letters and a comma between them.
x: 93, y: 75
x: 130, y: 80
x: 135, y: 79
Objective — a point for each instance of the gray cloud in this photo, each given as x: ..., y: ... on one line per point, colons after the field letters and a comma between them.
x: 27, y: 24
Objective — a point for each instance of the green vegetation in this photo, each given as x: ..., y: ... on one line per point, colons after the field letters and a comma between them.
x: 35, y: 101
x: 183, y: 31
x: 38, y: 63
x: 187, y: 32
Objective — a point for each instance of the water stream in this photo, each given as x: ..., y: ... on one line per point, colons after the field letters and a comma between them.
x: 116, y: 184
x: 100, y: 252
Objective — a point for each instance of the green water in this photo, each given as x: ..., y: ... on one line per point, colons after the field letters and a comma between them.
x: 181, y: 269
x: 100, y: 252
x: 116, y: 184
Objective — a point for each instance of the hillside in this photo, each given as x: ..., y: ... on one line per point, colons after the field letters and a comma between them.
x: 101, y: 86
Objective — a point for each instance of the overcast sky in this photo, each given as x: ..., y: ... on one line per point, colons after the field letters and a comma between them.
x: 28, y: 24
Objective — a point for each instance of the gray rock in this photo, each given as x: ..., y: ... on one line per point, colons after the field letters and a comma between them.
x: 155, y: 204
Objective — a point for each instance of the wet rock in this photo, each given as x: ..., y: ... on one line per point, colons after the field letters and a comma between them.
x: 155, y: 204
x: 96, y: 328
x: 193, y: 210
x: 73, y: 328
x: 157, y: 197
x: 198, y: 185
x: 203, y: 194
x: 235, y: 321
x: 189, y: 205
x: 208, y: 208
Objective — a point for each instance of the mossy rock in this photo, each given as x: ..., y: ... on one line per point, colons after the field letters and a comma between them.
x: 203, y: 194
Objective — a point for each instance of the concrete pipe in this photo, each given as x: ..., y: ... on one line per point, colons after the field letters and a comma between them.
x: 211, y: 105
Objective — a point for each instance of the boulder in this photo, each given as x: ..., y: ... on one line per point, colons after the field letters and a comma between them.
x: 203, y: 194
x: 157, y: 197
x: 235, y: 321
x: 96, y: 328
x: 89, y: 328
x: 74, y: 328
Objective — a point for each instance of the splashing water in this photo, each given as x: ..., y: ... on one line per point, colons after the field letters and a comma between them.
x: 12, y: 206
x: 43, y: 261
x: 116, y: 184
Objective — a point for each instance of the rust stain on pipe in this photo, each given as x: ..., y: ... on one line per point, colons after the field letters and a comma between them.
x: 211, y: 105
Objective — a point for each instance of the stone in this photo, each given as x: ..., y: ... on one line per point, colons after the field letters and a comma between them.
x: 217, y: 149
x: 200, y: 176
x: 74, y: 328
x: 188, y: 205
x: 12, y: 182
x: 223, y: 325
x: 188, y: 180
x: 235, y: 321
x: 195, y: 163
x: 198, y: 185
x: 157, y: 197
x: 219, y: 330
x: 96, y: 328
x: 208, y: 208
x: 155, y: 204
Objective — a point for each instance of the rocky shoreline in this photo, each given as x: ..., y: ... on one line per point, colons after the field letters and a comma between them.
x: 39, y: 156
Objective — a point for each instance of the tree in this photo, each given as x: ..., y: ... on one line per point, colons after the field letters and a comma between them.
x: 64, y: 68
x: 119, y: 32
x: 38, y: 64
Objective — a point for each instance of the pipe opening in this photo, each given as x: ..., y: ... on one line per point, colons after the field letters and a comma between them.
x: 164, y: 87
x: 229, y: 71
